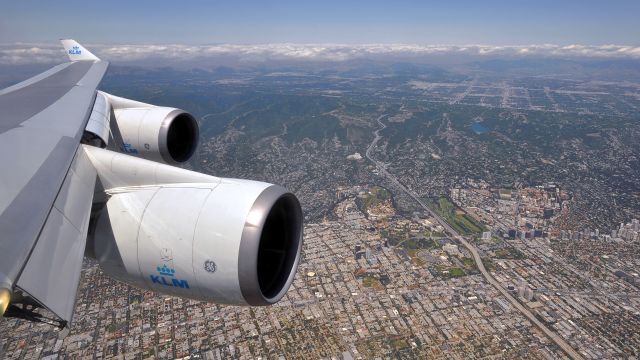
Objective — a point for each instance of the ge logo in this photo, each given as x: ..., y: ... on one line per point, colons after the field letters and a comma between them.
x: 210, y: 266
x: 147, y: 146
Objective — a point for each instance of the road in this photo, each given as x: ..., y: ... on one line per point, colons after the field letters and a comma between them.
x: 474, y: 252
x: 376, y: 139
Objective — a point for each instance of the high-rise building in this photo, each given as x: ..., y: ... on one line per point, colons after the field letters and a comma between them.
x: 370, y: 258
x: 522, y: 288
x: 528, y: 294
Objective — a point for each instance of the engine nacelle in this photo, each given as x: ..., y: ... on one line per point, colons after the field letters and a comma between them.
x: 156, y: 133
x: 227, y: 241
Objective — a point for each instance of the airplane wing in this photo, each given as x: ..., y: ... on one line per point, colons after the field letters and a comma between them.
x: 47, y: 182
x: 69, y: 154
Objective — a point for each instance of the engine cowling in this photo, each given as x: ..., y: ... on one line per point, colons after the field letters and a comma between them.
x: 158, y: 133
x: 221, y: 240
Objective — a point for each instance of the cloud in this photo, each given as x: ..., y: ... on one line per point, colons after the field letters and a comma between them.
x: 27, y: 54
x: 51, y: 53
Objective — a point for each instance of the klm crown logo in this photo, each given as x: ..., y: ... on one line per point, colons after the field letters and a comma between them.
x: 165, y: 270
x: 128, y: 148
x: 75, y: 50
x: 166, y: 278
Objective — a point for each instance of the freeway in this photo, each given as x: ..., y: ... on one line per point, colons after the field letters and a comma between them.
x: 474, y: 252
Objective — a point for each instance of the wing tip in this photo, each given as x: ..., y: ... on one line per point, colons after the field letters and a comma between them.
x: 77, y: 52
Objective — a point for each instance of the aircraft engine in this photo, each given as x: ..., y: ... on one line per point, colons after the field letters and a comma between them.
x: 158, y: 133
x: 221, y: 240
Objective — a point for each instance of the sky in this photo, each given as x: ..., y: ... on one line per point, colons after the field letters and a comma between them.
x: 452, y: 22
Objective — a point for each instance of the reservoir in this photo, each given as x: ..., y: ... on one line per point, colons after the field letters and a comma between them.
x: 478, y: 128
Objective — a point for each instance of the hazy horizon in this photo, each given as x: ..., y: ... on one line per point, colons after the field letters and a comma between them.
x: 45, y: 53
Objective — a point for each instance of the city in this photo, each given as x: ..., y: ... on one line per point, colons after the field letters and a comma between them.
x: 389, y: 269
x: 359, y: 296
